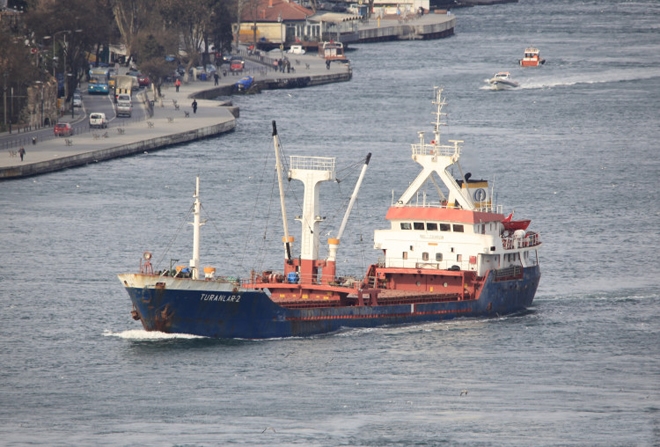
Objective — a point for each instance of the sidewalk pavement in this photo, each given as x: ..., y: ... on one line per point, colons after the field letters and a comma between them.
x: 167, y: 119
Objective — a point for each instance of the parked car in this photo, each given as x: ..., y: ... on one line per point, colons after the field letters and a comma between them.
x: 143, y: 81
x: 211, y: 69
x: 296, y: 49
x: 98, y: 120
x: 200, y: 73
x: 63, y: 130
x: 236, y: 64
x: 77, y: 100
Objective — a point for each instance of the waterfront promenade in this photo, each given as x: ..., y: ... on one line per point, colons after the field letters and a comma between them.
x: 166, y: 126
x: 172, y: 121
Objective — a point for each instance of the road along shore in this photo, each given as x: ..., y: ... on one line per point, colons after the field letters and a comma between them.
x: 171, y: 120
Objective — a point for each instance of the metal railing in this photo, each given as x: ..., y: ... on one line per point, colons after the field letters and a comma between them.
x: 312, y: 163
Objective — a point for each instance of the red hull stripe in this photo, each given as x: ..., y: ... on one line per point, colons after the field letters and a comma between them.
x: 375, y: 316
x: 439, y: 214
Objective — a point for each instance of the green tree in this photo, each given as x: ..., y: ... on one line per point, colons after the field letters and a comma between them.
x: 220, y: 27
x: 67, y: 32
x: 152, y: 50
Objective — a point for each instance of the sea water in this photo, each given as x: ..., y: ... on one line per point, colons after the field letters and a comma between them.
x: 575, y: 149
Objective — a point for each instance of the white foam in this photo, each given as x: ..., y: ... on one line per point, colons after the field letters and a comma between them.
x: 142, y: 335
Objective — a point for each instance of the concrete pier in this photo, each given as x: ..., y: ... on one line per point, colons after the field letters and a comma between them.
x: 426, y: 27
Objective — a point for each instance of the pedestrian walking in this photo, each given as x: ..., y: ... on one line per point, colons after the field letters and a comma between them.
x: 177, y: 84
x: 194, y: 106
x: 21, y: 152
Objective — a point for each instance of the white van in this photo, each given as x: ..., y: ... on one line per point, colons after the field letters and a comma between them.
x: 98, y: 120
x: 296, y: 49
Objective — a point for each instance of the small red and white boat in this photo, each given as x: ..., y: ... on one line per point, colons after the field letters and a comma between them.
x: 532, y: 58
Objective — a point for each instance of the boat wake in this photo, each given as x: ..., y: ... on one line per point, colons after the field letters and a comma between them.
x: 142, y: 335
x: 589, y: 78
x: 497, y: 87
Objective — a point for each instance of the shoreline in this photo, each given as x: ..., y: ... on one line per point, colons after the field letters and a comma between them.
x: 168, y: 124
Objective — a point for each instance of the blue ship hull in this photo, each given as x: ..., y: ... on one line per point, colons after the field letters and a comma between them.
x: 251, y: 314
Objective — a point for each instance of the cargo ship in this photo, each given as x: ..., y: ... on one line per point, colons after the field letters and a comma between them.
x: 447, y: 253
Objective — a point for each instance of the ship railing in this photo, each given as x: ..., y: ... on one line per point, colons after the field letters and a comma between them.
x: 348, y: 282
x: 486, y: 209
x: 422, y: 265
x: 427, y: 265
x: 531, y: 239
x: 434, y: 149
x: 514, y: 271
x: 312, y: 163
x: 445, y: 204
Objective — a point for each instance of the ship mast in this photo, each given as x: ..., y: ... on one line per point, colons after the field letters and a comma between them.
x: 288, y: 240
x: 330, y: 269
x: 435, y: 157
x: 354, y: 196
x: 197, y: 223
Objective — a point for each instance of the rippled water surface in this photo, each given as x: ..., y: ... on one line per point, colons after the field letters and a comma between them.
x: 575, y: 149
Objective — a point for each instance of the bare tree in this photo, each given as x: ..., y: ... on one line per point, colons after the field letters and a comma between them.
x: 190, y: 20
x: 131, y: 17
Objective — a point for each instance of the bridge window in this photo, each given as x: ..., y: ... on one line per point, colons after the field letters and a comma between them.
x: 406, y: 226
x: 438, y: 256
x: 459, y: 258
x: 405, y: 255
x: 458, y: 228
x: 418, y: 225
x: 425, y: 256
x: 445, y: 227
x: 432, y: 226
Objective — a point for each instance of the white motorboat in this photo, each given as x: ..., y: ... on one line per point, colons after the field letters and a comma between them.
x: 503, y: 80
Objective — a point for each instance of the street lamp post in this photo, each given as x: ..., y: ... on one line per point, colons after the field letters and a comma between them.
x: 11, y: 108
x: 66, y: 94
x: 4, y: 93
x: 280, y: 20
x: 41, y: 90
x: 66, y: 31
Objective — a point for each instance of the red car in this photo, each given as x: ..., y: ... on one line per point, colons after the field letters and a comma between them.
x: 236, y: 64
x: 63, y: 130
x: 143, y: 81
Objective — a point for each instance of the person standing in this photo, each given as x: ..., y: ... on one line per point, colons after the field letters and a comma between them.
x: 177, y: 84
x: 194, y: 106
x: 21, y: 152
x: 216, y: 76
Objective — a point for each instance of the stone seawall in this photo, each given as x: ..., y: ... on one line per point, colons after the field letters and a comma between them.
x: 84, y: 158
x: 293, y: 81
